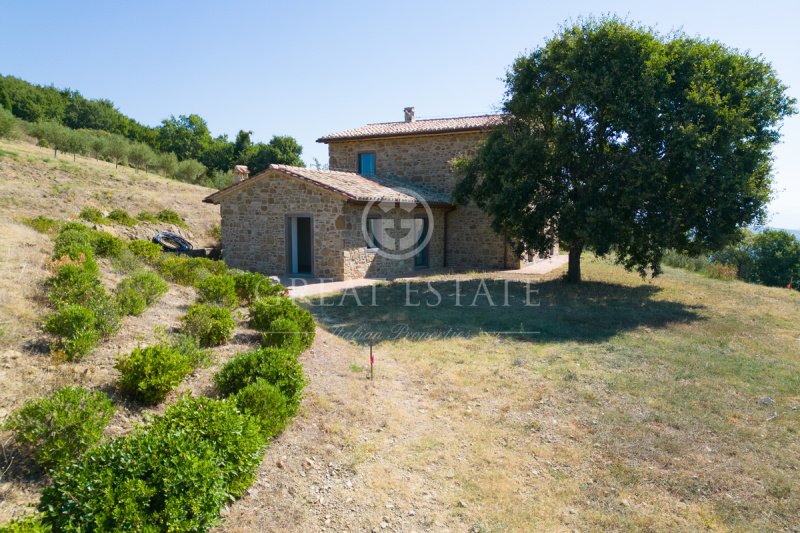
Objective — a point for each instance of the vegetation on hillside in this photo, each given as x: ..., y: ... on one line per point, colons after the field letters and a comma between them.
x: 770, y: 257
x: 176, y: 471
x: 181, y: 147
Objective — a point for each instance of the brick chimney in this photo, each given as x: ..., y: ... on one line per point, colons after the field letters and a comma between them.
x: 240, y: 173
x: 409, y: 113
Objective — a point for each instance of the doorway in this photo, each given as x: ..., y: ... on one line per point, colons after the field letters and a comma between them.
x: 299, y: 245
x: 421, y: 227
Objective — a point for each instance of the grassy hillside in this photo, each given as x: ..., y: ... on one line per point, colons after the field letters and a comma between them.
x: 34, y: 183
x: 628, y: 405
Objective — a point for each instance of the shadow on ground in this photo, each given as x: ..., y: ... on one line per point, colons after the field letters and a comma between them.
x: 551, y: 311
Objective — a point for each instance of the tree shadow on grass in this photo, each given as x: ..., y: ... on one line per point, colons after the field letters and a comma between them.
x: 551, y: 311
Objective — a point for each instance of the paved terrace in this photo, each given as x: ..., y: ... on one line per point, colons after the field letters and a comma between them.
x: 305, y: 287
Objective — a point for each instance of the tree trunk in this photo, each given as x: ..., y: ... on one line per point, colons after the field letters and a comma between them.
x: 574, y: 269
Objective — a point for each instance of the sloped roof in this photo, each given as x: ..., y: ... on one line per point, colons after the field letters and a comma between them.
x: 415, y: 127
x: 352, y: 186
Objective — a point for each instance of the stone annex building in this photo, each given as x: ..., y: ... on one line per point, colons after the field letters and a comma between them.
x: 382, y: 210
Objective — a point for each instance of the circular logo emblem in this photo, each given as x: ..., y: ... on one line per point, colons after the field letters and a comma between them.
x: 393, y: 229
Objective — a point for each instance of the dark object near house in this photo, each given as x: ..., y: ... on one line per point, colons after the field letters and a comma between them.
x: 172, y: 242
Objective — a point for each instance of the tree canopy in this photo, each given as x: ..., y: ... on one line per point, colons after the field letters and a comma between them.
x: 186, y: 136
x: 619, y: 139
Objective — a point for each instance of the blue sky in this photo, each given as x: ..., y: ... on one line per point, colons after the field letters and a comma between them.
x: 309, y: 68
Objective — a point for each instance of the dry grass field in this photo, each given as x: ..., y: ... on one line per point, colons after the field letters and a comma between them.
x: 617, y: 404
x: 632, y: 405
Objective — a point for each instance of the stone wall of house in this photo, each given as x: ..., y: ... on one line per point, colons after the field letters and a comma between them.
x: 254, y: 225
x: 425, y: 160
x: 361, y: 261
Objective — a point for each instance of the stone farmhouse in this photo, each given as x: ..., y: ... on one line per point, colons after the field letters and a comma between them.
x: 382, y: 209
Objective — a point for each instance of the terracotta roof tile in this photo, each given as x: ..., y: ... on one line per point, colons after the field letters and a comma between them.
x: 415, y: 127
x: 352, y: 186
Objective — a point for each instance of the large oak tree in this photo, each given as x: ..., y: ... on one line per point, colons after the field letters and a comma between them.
x: 618, y: 139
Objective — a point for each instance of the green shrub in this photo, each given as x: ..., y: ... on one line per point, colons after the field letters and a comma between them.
x: 265, y: 311
x: 149, y: 251
x: 106, y: 245
x: 106, y: 313
x: 137, y: 292
x: 170, y: 217
x: 76, y: 328
x: 215, y: 232
x: 147, y: 216
x: 149, y: 374
x: 250, y: 286
x: 209, y: 324
x: 266, y: 404
x: 58, y: 428
x: 151, y: 480
x: 284, y: 333
x: 236, y: 438
x: 189, y: 270
x: 720, y: 271
x: 278, y: 367
x: 120, y: 216
x: 67, y: 226
x: 92, y: 215
x: 218, y: 290
x: 191, y: 350
x: 8, y: 124
x: 42, y: 224
x: 74, y: 283
x: 74, y: 239
x: 26, y: 524
x: 129, y: 300
x: 73, y: 242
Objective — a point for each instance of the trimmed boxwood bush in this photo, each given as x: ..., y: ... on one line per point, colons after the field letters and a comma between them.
x: 265, y: 311
x: 140, y: 290
x: 74, y: 283
x: 209, y: 324
x: 149, y: 374
x: 276, y: 366
x: 72, y: 242
x: 76, y: 328
x: 189, y: 270
x: 75, y: 238
x: 218, y: 290
x: 146, y: 250
x: 250, y: 286
x: 161, y: 479
x: 266, y: 404
x: 236, y: 438
x: 284, y: 333
x: 58, y: 428
x: 105, y: 244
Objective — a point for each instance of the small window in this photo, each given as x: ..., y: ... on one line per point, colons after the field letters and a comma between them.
x: 373, y: 233
x: 366, y: 164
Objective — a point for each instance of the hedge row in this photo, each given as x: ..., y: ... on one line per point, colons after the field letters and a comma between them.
x: 83, y: 312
